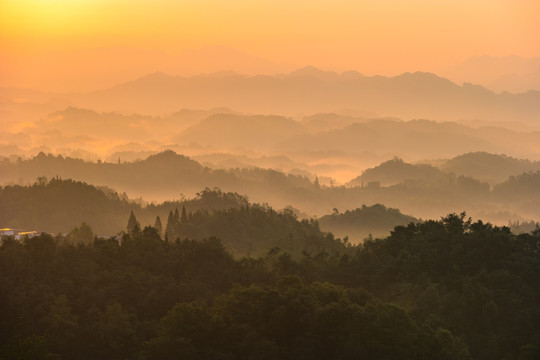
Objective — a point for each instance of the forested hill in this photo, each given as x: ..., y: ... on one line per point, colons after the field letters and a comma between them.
x: 446, y: 289
x: 159, y: 177
x: 376, y: 220
x: 396, y: 171
x: 422, y: 190
x: 493, y: 168
x: 59, y: 206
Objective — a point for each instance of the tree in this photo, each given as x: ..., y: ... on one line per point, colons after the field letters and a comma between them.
x: 133, y: 226
x: 82, y: 234
x: 176, y: 217
x: 33, y: 347
x: 158, y: 226
x: 183, y: 219
x: 169, y: 230
x: 41, y: 181
x: 61, y: 325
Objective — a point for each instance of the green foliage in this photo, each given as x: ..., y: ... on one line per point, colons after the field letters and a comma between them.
x: 253, y: 230
x: 158, y: 226
x: 471, y: 278
x: 82, y: 234
x: 133, y: 226
x: 446, y: 289
x: 33, y: 347
x: 293, y: 321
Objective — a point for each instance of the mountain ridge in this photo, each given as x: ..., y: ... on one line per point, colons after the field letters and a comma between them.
x: 311, y: 90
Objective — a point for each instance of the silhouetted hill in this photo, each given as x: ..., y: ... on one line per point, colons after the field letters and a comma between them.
x: 57, y: 206
x: 525, y: 186
x: 411, y: 95
x: 376, y: 220
x: 329, y: 144
x: 311, y: 72
x: 330, y: 121
x: 116, y: 127
x: 506, y: 73
x: 484, y: 166
x: 163, y: 176
x: 416, y: 138
x: 224, y: 131
x: 397, y: 171
x: 167, y: 176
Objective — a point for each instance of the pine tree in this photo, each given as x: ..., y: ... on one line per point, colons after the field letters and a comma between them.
x: 176, y: 217
x: 184, y: 218
x: 176, y: 224
x: 133, y: 226
x: 158, y: 226
x: 170, y: 226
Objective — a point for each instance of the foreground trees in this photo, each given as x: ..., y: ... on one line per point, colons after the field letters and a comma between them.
x: 448, y: 289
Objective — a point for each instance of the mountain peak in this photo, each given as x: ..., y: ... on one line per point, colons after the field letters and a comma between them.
x: 312, y: 71
x: 157, y: 75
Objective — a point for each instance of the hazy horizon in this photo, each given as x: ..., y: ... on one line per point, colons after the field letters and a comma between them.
x: 83, y: 45
x: 269, y: 179
x: 320, y: 89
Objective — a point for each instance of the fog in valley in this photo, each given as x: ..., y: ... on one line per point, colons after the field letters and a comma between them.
x: 310, y: 140
x: 269, y: 180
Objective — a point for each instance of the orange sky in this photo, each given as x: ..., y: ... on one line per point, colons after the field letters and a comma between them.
x: 81, y: 45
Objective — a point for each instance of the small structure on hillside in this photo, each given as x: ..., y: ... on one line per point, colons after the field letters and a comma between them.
x: 17, y: 233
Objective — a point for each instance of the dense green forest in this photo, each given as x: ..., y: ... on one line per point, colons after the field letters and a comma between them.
x: 446, y: 289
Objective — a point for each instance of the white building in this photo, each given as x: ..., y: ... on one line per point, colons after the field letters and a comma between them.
x: 19, y: 234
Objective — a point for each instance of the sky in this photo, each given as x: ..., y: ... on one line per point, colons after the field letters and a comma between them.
x: 82, y: 45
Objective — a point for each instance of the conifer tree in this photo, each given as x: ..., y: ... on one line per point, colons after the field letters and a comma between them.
x: 176, y: 217
x: 176, y: 223
x: 170, y: 226
x: 133, y: 225
x: 184, y: 218
x: 158, y: 226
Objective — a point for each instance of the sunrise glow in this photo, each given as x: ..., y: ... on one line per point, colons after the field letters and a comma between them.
x: 37, y: 35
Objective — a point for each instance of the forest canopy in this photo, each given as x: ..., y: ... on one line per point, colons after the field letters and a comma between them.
x: 436, y: 289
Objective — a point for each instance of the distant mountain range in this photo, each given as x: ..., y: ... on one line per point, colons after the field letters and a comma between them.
x: 506, y: 73
x: 310, y: 90
x: 326, y: 144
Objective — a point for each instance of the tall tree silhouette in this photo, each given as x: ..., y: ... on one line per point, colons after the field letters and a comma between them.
x: 133, y: 225
x: 158, y: 226
x: 169, y: 230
